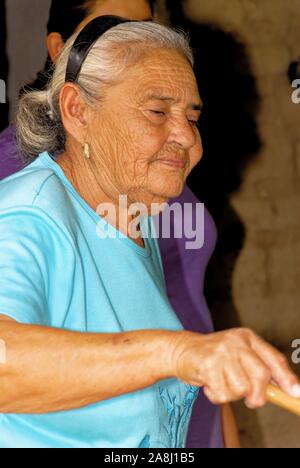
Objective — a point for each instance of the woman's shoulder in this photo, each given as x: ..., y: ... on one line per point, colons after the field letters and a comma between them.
x: 23, y: 187
x: 36, y: 196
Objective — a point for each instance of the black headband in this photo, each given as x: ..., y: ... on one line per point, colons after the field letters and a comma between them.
x: 85, y: 41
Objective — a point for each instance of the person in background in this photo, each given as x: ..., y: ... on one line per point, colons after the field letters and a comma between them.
x: 184, y: 269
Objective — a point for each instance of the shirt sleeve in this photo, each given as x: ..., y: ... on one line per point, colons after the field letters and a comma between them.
x: 25, y: 252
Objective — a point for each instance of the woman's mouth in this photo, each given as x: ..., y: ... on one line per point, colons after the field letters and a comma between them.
x: 173, y: 163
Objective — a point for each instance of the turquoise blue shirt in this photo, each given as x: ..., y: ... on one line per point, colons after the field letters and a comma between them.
x: 57, y: 270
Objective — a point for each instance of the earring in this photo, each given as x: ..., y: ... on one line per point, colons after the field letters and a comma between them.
x: 86, y: 151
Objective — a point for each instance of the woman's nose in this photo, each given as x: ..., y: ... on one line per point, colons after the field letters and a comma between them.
x: 184, y: 133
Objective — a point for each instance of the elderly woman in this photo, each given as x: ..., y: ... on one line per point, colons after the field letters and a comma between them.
x: 184, y: 269
x: 95, y: 355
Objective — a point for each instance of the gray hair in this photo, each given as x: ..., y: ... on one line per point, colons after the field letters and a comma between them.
x: 39, y: 122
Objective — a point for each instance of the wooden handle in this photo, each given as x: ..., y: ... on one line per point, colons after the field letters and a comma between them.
x: 279, y: 398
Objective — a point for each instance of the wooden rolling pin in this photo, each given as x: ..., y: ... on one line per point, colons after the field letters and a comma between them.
x: 279, y: 398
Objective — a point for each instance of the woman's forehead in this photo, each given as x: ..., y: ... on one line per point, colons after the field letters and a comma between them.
x: 163, y: 63
x: 165, y: 80
x: 172, y: 96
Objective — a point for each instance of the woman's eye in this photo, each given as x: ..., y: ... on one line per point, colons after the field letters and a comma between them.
x: 158, y: 112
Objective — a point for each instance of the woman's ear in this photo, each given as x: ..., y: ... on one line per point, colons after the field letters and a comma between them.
x: 74, y: 111
x: 55, y: 45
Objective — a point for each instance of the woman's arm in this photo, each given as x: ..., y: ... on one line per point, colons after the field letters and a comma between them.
x: 48, y: 369
x: 230, y: 430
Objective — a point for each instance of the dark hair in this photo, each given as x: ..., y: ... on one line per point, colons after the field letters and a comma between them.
x: 152, y: 5
x: 64, y: 17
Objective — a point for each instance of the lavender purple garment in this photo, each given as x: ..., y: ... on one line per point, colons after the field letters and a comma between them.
x: 184, y: 273
x: 9, y: 163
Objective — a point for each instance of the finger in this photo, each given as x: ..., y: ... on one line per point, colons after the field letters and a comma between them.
x: 217, y: 390
x: 237, y: 381
x: 259, y: 376
x: 277, y: 363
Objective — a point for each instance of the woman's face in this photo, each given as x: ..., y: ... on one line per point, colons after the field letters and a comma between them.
x: 144, y: 138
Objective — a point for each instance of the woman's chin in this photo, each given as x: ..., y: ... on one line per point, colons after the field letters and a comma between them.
x: 172, y: 190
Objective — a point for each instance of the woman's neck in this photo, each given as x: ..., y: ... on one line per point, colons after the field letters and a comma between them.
x: 85, y: 183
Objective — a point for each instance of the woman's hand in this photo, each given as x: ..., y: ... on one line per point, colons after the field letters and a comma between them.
x: 232, y: 365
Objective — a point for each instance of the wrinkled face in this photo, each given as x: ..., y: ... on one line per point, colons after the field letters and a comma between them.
x: 144, y: 138
x: 133, y: 9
